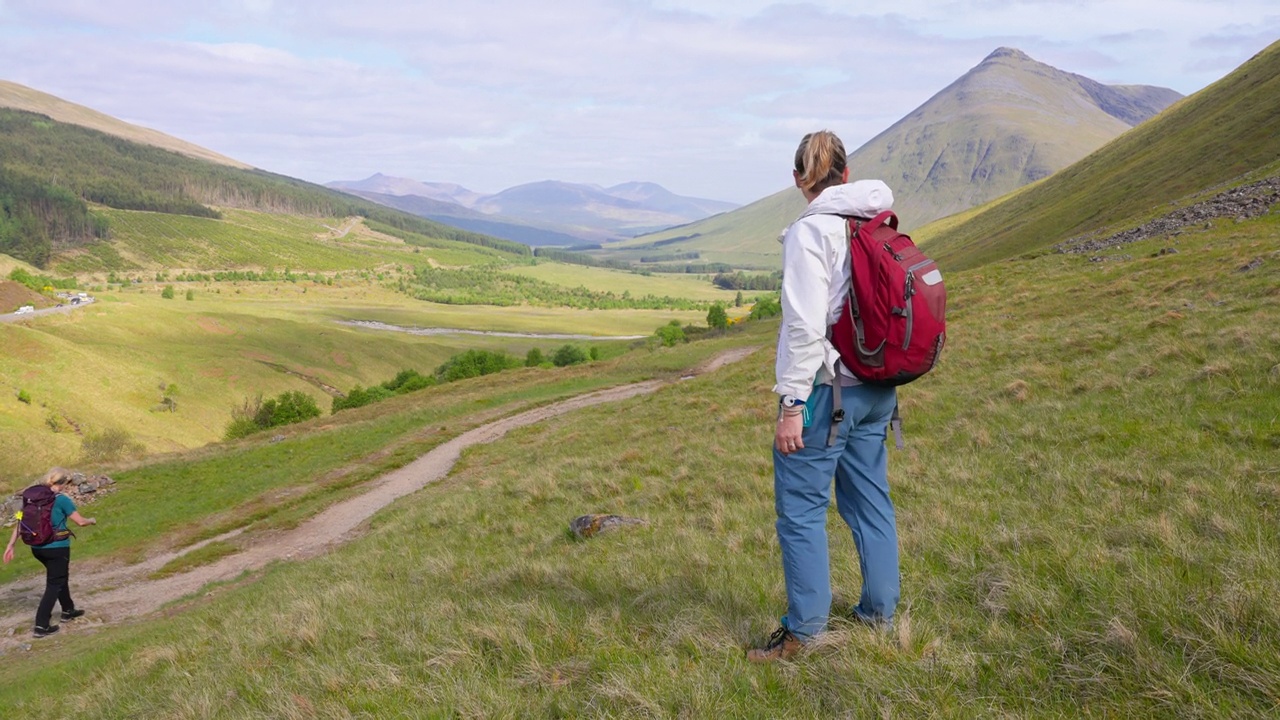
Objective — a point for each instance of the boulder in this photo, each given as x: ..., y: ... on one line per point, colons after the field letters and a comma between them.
x: 586, y: 526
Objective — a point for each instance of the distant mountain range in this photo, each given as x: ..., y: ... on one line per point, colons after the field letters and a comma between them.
x: 1008, y: 122
x: 541, y: 213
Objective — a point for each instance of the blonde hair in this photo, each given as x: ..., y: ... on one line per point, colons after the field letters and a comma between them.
x: 820, y: 161
x: 56, y: 476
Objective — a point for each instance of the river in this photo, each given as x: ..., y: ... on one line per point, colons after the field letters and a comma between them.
x: 375, y: 325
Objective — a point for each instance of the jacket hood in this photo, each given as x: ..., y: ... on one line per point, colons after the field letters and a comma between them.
x: 861, y: 198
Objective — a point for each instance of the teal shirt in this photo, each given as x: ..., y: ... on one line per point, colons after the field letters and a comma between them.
x: 62, y: 509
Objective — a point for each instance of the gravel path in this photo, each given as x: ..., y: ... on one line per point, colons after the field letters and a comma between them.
x: 127, y: 594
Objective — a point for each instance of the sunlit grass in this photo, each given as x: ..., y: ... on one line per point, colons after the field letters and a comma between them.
x: 105, y: 366
x: 693, y: 287
x: 1088, y: 519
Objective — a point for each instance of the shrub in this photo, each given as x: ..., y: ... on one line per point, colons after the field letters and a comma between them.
x: 240, y: 427
x: 474, y: 363
x: 766, y: 307
x: 671, y: 333
x: 24, y: 397
x: 255, y: 414
x: 407, y: 381
x: 108, y: 446
x: 717, y: 318
x: 594, y: 353
x: 167, y: 292
x: 359, y: 397
x: 191, y: 294
x: 568, y: 355
x: 533, y: 358
x: 287, y: 408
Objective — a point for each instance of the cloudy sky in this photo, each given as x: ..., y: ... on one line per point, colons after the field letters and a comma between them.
x: 706, y: 97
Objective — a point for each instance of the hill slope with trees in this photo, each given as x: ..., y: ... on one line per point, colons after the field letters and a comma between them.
x: 51, y: 174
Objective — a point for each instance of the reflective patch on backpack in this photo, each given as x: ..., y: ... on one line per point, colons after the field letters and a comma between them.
x: 933, y: 277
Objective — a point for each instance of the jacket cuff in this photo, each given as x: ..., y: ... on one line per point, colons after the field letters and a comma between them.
x: 801, y: 392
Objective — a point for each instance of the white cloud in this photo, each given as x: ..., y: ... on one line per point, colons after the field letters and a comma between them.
x: 706, y: 97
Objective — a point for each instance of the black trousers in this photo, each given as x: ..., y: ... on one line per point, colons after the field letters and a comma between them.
x: 57, y: 568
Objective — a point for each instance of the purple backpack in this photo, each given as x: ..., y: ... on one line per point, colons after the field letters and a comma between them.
x: 36, y: 525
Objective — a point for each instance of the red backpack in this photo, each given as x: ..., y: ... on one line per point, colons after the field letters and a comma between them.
x: 36, y: 524
x: 894, y: 322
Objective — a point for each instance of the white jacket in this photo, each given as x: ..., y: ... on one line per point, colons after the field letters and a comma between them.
x: 815, y: 282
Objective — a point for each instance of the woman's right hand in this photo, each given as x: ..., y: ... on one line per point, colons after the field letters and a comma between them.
x: 787, y: 435
x: 8, y: 555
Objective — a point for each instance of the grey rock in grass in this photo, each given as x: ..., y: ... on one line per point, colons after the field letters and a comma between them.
x: 1243, y: 203
x: 585, y: 526
x: 1253, y: 264
x: 80, y: 487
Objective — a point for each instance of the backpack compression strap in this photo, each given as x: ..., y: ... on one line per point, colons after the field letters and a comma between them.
x: 837, y: 415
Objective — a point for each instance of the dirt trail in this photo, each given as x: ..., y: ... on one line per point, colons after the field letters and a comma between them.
x: 127, y: 594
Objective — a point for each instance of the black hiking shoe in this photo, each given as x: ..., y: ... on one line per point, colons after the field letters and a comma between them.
x: 782, y: 645
x: 72, y: 615
x: 44, y: 631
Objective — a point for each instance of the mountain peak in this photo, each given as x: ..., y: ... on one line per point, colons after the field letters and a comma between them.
x: 1008, y: 52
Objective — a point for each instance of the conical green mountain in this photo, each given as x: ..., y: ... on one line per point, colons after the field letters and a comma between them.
x: 1213, y: 137
x: 1007, y: 122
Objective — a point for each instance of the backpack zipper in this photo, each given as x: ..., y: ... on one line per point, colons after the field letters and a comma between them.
x: 911, y: 291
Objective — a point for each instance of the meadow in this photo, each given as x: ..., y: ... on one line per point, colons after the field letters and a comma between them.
x: 693, y: 287
x: 244, y: 238
x: 1087, y: 507
x: 110, y: 365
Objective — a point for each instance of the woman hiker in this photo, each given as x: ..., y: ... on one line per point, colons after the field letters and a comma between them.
x: 55, y: 555
x: 806, y: 455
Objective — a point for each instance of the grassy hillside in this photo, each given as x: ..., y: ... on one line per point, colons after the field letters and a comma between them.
x: 50, y: 172
x: 19, y: 97
x: 745, y: 238
x: 1087, y: 506
x: 109, y: 365
x: 1211, y: 138
x: 250, y: 239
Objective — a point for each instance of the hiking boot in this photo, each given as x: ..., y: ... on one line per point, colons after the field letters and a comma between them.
x: 72, y: 615
x: 782, y: 645
x: 44, y: 631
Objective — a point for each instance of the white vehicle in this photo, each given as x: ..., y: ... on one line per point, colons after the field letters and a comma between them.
x: 25, y: 309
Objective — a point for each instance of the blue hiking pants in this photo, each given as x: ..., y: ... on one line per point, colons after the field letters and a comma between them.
x: 802, y: 491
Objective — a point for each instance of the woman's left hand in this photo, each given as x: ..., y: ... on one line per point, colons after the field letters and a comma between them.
x: 786, y: 437
x: 8, y: 555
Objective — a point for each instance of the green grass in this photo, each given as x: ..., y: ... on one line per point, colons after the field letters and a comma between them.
x: 103, y: 366
x: 1213, y: 137
x: 200, y: 494
x: 693, y: 287
x: 745, y: 238
x: 248, y: 239
x: 1089, y: 514
x: 202, y: 556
